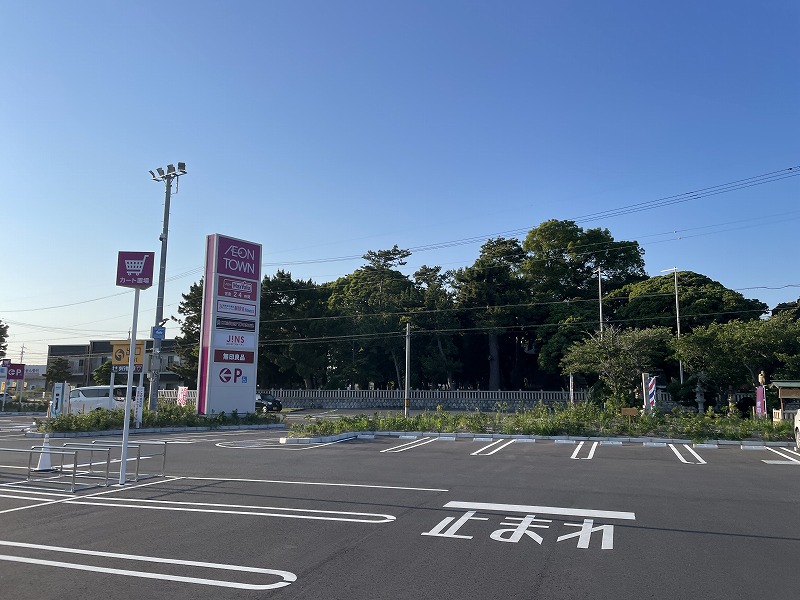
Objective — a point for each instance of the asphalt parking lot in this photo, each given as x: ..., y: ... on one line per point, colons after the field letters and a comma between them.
x: 239, y: 515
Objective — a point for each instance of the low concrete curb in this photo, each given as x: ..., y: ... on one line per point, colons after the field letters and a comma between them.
x: 557, y: 438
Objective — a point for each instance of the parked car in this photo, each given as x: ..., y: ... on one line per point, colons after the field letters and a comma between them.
x: 268, y: 402
x: 5, y: 397
x: 84, y: 399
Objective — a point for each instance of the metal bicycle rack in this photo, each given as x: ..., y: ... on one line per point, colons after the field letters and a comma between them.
x: 61, y: 470
x: 92, y: 450
x: 138, y: 446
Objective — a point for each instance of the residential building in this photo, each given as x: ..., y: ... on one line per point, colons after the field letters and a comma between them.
x: 83, y: 359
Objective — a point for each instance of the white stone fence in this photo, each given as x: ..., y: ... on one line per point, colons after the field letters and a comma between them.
x: 484, y: 401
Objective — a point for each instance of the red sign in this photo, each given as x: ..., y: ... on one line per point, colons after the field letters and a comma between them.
x: 233, y: 356
x: 238, y: 258
x: 16, y: 371
x: 234, y: 375
x: 135, y: 269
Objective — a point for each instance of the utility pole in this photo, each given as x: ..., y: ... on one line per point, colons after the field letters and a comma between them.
x: 155, y: 367
x: 408, y: 369
x: 677, y: 315
x: 600, y: 296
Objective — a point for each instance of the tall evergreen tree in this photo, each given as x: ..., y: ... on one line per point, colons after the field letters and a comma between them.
x: 492, y: 295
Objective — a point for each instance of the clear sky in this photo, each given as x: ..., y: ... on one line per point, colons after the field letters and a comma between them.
x: 324, y: 129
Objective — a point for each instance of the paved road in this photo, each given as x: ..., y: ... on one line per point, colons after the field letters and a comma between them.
x: 241, y: 516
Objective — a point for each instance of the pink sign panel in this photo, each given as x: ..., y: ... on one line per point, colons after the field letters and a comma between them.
x: 16, y: 371
x: 135, y: 269
x: 238, y: 258
x: 761, y: 401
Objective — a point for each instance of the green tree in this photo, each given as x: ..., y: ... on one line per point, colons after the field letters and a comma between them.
x: 702, y: 301
x: 3, y: 339
x: 731, y: 355
x: 563, y: 259
x: 102, y: 374
x: 793, y: 308
x: 377, y: 297
x: 493, y: 297
x: 435, y: 324
x: 294, y: 332
x: 57, y: 370
x: 561, y: 266
x: 618, y: 358
x: 187, y: 345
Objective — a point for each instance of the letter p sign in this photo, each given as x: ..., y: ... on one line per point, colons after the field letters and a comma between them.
x: 237, y: 375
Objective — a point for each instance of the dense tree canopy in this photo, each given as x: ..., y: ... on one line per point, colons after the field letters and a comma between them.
x: 493, y: 295
x: 702, y: 301
x: 520, y: 317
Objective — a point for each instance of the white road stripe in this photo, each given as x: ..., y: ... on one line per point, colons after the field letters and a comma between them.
x: 411, y: 445
x: 678, y: 454
x: 228, y: 509
x: 589, y: 456
x: 494, y: 443
x: 786, y: 456
x: 508, y: 443
x: 700, y: 461
x: 577, y: 449
x: 112, y: 491
x: 321, y: 483
x: 547, y: 510
x: 286, y: 576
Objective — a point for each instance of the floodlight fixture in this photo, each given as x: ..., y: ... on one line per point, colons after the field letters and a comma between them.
x: 168, y: 177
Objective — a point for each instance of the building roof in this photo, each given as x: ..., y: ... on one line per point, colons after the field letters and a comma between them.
x: 785, y: 384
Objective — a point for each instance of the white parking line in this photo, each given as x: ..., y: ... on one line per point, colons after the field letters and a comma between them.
x: 700, y: 461
x: 494, y: 443
x: 590, y: 456
x: 508, y: 443
x: 785, y: 454
x: 410, y: 445
x: 276, y: 445
x: 321, y: 483
x: 240, y: 509
x: 286, y: 577
x: 111, y: 491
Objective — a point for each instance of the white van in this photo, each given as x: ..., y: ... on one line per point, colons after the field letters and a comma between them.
x: 84, y: 399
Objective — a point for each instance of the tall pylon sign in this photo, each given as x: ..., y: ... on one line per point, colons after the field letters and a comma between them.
x: 226, y: 374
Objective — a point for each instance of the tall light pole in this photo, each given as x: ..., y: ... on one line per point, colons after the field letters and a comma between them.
x: 677, y: 313
x: 155, y: 367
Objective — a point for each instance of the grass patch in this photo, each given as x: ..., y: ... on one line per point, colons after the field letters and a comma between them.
x: 168, y: 415
x: 575, y: 420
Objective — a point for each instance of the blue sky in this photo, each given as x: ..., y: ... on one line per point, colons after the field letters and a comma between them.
x: 326, y: 129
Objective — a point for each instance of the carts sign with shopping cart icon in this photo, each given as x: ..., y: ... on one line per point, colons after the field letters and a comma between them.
x: 135, y: 269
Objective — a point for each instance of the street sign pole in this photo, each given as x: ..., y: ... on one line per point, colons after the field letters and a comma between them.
x: 131, y: 359
x: 134, y: 271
